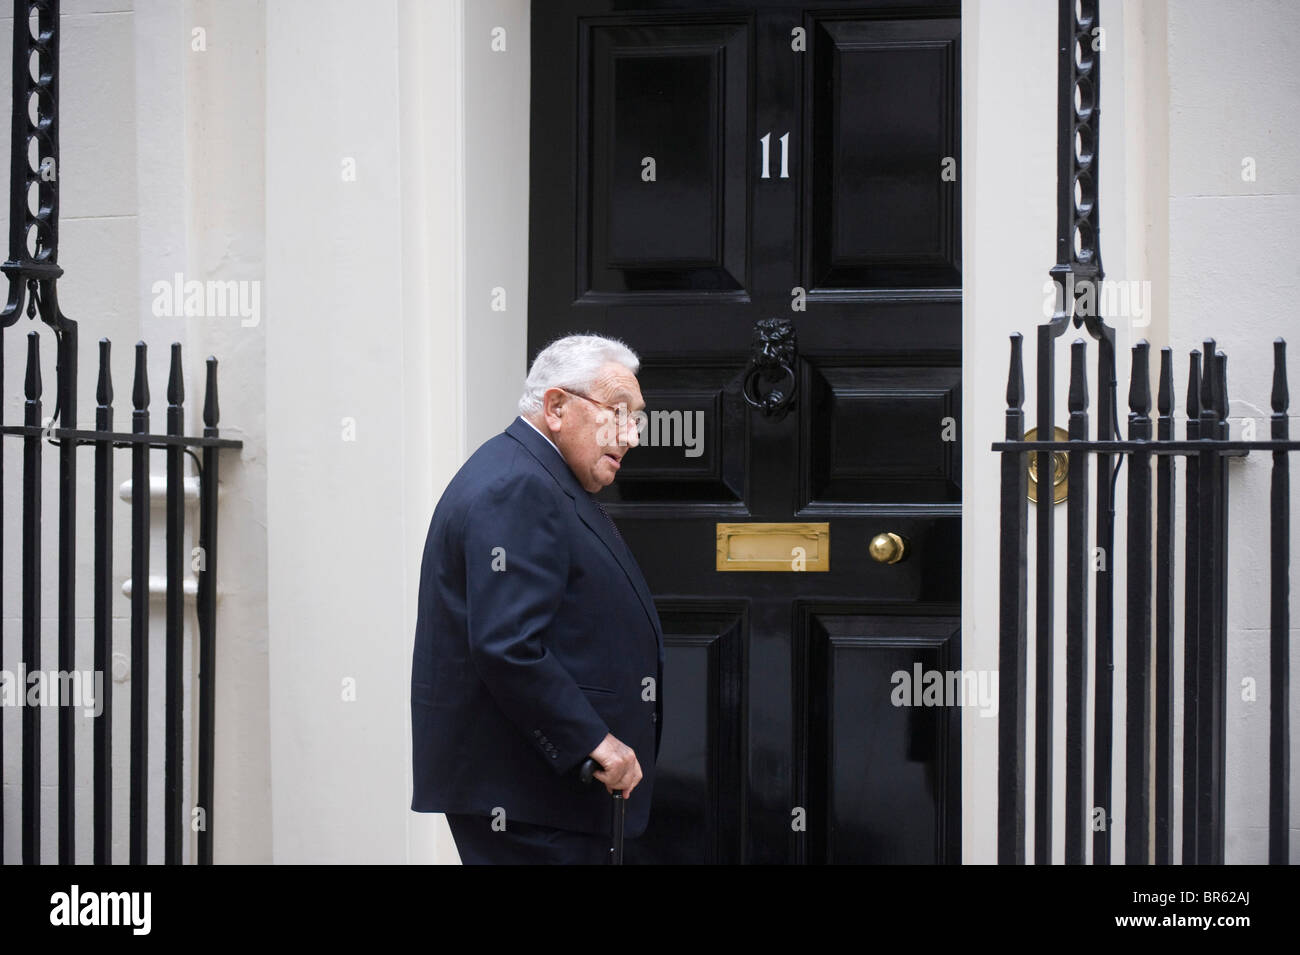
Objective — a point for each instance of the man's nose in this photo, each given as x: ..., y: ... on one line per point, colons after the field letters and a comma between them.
x: 631, y: 434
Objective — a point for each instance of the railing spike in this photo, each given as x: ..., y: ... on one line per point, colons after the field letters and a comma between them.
x: 1139, y: 388
x: 175, y: 380
x: 1015, y: 375
x: 1207, y: 377
x: 1221, y: 384
x: 32, y: 385
x: 1194, y: 385
x: 140, y: 391
x: 1281, y: 396
x: 1078, y: 377
x: 1165, y: 395
x: 104, y: 387
x: 211, y: 411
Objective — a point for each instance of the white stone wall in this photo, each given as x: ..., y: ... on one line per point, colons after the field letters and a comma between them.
x: 160, y: 173
x: 496, y: 204
x: 1234, y: 271
x: 364, y: 403
x: 1008, y: 165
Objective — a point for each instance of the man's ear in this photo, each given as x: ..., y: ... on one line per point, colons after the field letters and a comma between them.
x: 553, y: 403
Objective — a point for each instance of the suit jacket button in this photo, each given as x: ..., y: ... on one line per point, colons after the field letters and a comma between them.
x: 654, y: 717
x: 555, y: 756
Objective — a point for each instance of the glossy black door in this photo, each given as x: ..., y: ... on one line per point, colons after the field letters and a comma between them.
x: 694, y: 171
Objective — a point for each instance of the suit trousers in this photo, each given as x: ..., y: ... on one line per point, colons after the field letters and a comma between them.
x: 524, y: 843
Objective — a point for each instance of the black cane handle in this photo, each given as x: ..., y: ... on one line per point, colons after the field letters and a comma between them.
x: 587, y: 772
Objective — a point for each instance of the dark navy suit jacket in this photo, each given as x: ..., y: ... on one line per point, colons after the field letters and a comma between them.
x: 536, y: 635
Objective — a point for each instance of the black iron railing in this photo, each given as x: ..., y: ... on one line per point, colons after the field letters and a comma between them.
x: 1150, y: 564
x: 1151, y: 555
x: 33, y: 272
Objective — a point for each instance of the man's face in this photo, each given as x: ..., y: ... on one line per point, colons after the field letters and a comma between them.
x: 593, y: 437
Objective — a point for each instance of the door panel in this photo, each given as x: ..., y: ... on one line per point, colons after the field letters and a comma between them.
x: 675, y: 95
x: 886, y: 795
x: 880, y: 213
x: 695, y: 446
x: 798, y: 184
x: 696, y: 818
x: 862, y: 423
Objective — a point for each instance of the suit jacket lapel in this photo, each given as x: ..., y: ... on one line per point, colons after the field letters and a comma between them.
x: 559, y: 469
x: 592, y: 517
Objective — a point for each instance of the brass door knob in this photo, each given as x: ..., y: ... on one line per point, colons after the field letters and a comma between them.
x: 888, y: 548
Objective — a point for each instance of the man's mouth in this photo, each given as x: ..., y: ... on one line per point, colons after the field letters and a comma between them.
x: 617, y: 463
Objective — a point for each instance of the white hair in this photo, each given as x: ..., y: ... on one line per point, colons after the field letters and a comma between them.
x: 572, y: 362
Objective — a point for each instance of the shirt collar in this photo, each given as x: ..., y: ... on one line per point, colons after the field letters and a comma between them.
x: 539, y: 431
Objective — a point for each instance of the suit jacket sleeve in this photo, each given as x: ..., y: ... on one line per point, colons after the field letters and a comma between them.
x: 512, y: 597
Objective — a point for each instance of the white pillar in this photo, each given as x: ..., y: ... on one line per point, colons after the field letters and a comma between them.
x: 364, y: 315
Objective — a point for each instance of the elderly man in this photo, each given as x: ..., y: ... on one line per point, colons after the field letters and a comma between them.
x: 537, y: 642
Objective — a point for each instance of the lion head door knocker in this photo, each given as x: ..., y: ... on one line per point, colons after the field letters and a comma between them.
x: 769, y: 376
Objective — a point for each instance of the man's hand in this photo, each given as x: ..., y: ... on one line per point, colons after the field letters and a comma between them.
x: 621, y: 768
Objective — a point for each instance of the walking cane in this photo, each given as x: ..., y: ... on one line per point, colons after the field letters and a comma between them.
x: 586, y: 774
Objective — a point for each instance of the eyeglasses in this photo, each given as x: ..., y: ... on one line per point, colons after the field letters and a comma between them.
x: 617, y: 409
x: 620, y: 411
